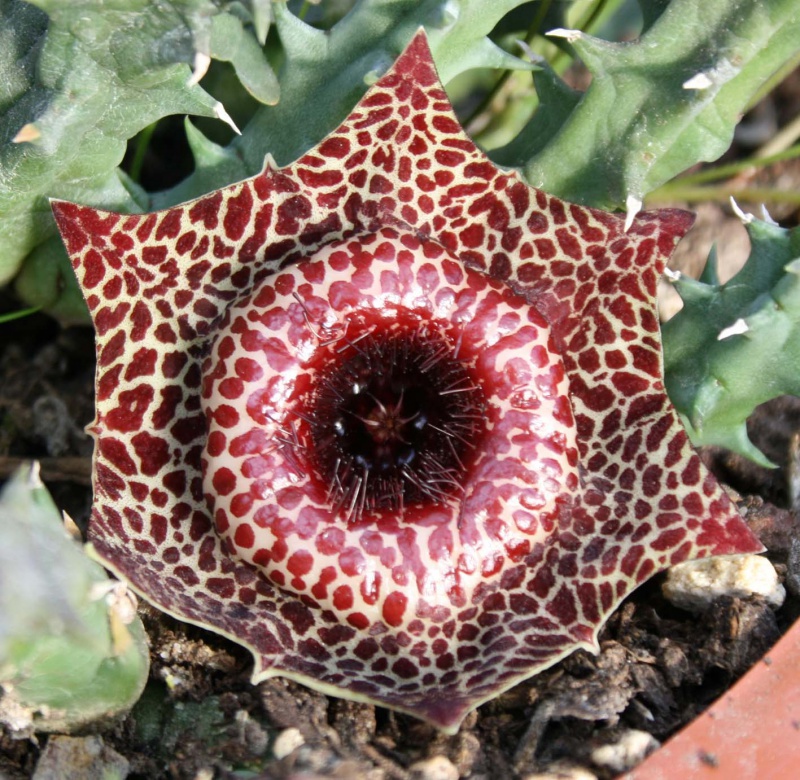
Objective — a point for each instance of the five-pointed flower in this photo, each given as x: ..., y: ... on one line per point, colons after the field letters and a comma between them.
x: 388, y: 416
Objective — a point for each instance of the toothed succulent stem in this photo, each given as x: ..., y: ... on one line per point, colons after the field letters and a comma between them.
x: 736, y: 345
x: 71, y: 646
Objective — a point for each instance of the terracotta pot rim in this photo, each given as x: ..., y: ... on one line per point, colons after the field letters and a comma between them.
x: 752, y: 730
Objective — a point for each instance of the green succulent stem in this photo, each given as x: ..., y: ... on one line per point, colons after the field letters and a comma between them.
x: 72, y: 649
x: 736, y: 345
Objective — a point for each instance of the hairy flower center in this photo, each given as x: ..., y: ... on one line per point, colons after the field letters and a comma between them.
x: 393, y: 421
x: 386, y: 427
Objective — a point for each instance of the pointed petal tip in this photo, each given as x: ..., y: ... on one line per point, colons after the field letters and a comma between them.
x: 415, y: 63
x: 446, y: 715
x: 63, y: 212
x: 672, y: 222
x: 419, y: 44
x: 740, y: 539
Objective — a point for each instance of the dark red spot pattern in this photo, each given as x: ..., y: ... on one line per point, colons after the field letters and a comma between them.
x: 400, y: 159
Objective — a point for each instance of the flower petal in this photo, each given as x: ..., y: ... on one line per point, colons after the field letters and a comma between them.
x: 159, y: 285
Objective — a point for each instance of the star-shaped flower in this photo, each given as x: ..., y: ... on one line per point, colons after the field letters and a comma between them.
x: 388, y: 416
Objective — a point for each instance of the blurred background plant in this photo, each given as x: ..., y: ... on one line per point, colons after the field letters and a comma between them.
x: 72, y: 648
x: 614, y: 104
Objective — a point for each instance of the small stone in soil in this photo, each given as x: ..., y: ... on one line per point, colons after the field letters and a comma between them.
x: 287, y: 742
x: 65, y: 757
x: 436, y: 768
x: 562, y: 771
x: 694, y: 585
x: 630, y: 749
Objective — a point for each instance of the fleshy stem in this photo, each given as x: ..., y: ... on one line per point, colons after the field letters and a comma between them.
x: 142, y: 144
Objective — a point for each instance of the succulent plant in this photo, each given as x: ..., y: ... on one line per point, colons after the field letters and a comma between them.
x: 72, y: 648
x: 734, y: 346
x: 656, y: 105
x: 388, y: 416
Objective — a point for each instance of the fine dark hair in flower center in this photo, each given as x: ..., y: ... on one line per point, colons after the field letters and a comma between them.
x: 394, y: 421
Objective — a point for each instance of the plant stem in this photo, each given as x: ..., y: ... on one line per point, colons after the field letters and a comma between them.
x: 698, y: 194
x: 16, y: 315
x: 142, y: 143
x: 781, y: 141
x: 726, y: 171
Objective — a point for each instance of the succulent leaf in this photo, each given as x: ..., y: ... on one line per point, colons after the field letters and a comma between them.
x: 660, y: 104
x: 244, y: 344
x: 47, y: 281
x: 734, y: 346
x: 230, y: 42
x: 85, y: 81
x: 71, y: 648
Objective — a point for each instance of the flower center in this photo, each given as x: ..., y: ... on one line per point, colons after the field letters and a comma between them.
x: 393, y: 419
x: 387, y: 429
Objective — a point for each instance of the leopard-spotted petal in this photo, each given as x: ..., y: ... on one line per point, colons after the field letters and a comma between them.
x: 559, y: 513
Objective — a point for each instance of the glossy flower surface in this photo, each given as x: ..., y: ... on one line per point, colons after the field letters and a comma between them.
x: 388, y: 416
